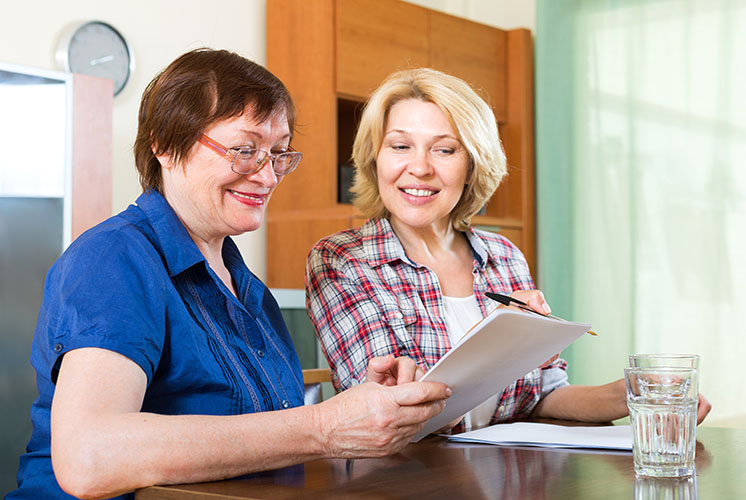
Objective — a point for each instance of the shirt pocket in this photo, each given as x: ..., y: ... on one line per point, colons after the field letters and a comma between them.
x: 400, y: 315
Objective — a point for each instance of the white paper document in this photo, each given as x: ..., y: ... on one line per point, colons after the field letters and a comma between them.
x: 610, y: 437
x: 500, y: 349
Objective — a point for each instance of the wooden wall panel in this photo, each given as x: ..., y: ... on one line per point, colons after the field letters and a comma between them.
x: 375, y: 38
x: 518, y: 192
x: 475, y: 53
x: 302, y: 56
x: 92, y: 155
x: 513, y: 234
x: 290, y: 238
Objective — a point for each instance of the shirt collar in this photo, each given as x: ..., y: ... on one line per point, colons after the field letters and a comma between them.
x: 177, y: 248
x: 481, y: 252
x: 180, y: 252
x: 382, y: 246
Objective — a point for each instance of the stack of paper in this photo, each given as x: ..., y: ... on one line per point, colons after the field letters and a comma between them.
x: 612, y: 437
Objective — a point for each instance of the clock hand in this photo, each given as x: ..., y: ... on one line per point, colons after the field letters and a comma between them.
x: 101, y: 60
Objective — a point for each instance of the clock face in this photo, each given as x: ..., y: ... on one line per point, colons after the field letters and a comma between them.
x: 97, y: 49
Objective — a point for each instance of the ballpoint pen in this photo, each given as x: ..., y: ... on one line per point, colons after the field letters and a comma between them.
x: 507, y: 301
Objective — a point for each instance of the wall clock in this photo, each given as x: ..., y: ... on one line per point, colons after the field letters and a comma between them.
x: 96, y: 48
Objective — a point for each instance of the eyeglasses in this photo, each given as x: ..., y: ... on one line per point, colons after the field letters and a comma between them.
x: 247, y: 161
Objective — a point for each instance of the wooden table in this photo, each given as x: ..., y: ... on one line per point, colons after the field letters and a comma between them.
x: 435, y: 468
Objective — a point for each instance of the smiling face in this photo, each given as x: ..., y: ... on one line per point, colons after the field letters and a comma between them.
x: 213, y: 201
x: 422, y: 166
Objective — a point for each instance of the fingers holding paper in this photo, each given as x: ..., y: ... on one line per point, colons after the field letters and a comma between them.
x: 551, y: 360
x: 371, y: 420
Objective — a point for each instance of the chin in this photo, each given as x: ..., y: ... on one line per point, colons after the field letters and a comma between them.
x: 245, y: 226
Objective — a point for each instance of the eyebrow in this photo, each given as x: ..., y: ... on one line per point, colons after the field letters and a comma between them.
x: 257, y: 135
x: 405, y: 132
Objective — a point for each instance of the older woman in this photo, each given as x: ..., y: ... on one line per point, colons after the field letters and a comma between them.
x: 160, y: 357
x: 412, y: 280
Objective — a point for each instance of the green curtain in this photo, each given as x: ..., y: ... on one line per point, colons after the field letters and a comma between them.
x: 641, y: 187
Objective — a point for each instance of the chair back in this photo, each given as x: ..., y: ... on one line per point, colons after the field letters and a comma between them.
x: 312, y: 380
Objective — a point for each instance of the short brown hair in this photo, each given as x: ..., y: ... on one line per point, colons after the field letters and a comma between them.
x: 199, y: 88
x: 471, y: 118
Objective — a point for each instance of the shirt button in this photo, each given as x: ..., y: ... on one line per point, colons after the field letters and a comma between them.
x: 399, y: 315
x: 285, y: 403
x: 501, y: 408
x: 260, y: 353
x: 57, y: 347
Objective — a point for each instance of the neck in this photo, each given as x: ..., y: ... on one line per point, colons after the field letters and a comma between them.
x: 424, y: 244
x: 209, y: 244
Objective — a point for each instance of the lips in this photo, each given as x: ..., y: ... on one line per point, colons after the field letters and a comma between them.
x: 249, y: 198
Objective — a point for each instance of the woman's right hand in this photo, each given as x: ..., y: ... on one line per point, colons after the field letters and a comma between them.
x: 373, y: 420
x: 533, y: 299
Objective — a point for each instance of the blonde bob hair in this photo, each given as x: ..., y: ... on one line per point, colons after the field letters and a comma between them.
x: 471, y: 118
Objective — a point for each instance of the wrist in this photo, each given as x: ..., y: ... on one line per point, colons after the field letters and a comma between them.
x: 320, y: 425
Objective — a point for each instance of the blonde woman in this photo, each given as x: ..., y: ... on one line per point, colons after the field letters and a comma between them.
x: 412, y: 280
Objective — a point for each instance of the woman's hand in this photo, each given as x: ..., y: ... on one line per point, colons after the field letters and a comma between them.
x: 551, y: 360
x: 534, y: 299
x: 703, y: 408
x: 388, y: 370
x: 373, y: 420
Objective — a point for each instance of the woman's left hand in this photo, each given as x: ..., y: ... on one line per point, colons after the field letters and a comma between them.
x: 703, y: 408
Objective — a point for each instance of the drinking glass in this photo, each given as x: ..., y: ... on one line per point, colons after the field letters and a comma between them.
x: 662, y: 406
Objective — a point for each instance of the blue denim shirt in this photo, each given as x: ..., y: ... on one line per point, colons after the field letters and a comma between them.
x: 138, y: 285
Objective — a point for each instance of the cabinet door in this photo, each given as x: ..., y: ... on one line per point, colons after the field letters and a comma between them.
x: 375, y: 38
x: 473, y: 52
x: 302, y: 56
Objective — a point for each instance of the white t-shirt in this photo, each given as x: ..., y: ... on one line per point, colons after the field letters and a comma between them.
x: 462, y: 313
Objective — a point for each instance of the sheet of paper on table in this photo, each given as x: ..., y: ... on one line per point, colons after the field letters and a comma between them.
x: 610, y: 437
x: 500, y: 349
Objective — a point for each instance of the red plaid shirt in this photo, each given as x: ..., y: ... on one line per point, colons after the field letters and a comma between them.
x: 366, y: 298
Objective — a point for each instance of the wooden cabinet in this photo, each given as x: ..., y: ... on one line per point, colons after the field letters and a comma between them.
x: 374, y: 38
x: 474, y: 52
x: 332, y: 54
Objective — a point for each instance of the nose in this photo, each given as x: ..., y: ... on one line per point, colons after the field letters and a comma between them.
x: 266, y: 174
x: 420, y: 164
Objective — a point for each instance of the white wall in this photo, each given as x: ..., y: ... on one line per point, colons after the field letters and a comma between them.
x: 505, y: 14
x: 160, y: 30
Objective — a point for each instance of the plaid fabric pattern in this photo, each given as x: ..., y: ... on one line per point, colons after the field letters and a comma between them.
x: 366, y: 298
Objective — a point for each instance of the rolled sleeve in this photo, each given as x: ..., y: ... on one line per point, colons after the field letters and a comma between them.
x: 107, y: 293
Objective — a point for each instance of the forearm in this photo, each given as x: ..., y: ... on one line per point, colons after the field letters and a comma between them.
x: 120, y: 453
x: 602, y: 403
